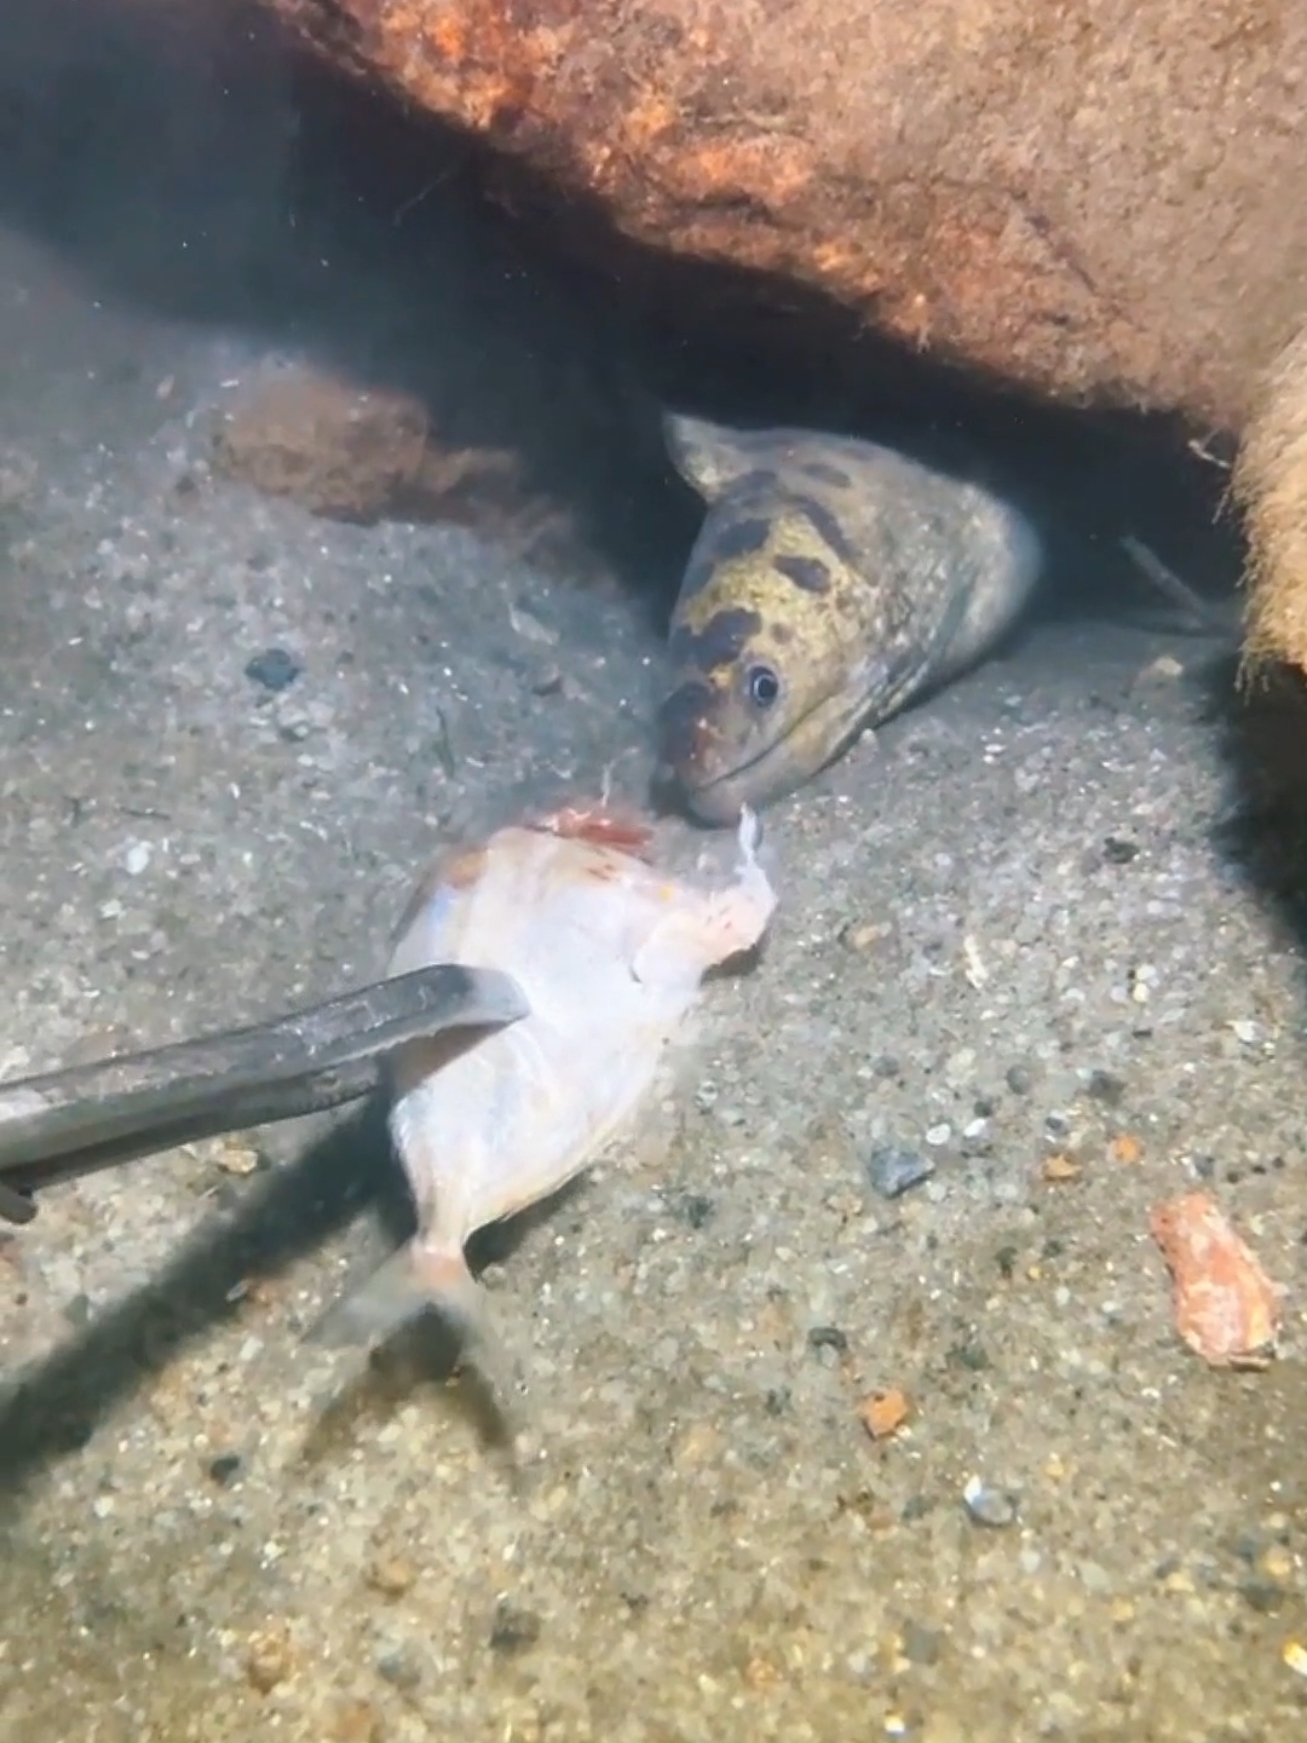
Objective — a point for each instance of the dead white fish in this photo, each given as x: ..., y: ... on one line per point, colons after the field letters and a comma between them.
x: 610, y: 953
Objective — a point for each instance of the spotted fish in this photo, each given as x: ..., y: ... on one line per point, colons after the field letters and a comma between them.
x: 833, y: 582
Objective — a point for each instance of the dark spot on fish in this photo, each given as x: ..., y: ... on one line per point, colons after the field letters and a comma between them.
x: 722, y: 539
x: 736, y: 538
x: 827, y: 526
x: 824, y: 473
x: 810, y: 573
x: 757, y: 483
x: 782, y: 634
x: 720, y: 642
x: 682, y: 720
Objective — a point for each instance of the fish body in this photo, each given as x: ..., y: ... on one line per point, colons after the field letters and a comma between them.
x: 609, y: 952
x: 833, y: 581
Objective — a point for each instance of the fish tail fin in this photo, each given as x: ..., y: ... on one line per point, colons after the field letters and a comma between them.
x: 408, y: 1284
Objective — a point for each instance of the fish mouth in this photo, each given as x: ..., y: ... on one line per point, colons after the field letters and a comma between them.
x: 773, y: 772
x: 719, y: 799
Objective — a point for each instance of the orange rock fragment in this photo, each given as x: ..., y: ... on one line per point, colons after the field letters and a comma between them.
x: 884, y: 1413
x: 1126, y: 1148
x: 1226, y: 1308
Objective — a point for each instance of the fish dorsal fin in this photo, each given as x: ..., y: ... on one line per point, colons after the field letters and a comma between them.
x: 711, y: 457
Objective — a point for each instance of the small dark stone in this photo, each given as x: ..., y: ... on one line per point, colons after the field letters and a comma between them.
x: 1119, y: 852
x: 1019, y: 1079
x: 921, y: 1644
x: 1107, y: 1087
x: 827, y: 1337
x: 225, y: 1467
x: 1057, y: 1125
x: 1266, y: 1596
x: 972, y: 1357
x: 697, y: 1209
x: 886, y: 1065
x: 1006, y: 1260
x: 984, y: 1107
x: 1205, y: 1167
x: 892, y: 1171
x: 400, y: 1668
x: 777, y: 1401
x: 78, y: 1311
x: 513, y: 1629
x: 274, y: 669
x: 915, y: 1507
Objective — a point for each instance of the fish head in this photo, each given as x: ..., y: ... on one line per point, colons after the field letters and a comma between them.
x: 771, y: 631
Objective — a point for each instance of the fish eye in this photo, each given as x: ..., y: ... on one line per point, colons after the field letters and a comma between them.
x: 763, y: 685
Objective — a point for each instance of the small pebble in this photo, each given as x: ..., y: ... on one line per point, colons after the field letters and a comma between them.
x: 357, y: 1722
x: 921, y: 1644
x: 137, y: 858
x: 513, y: 1629
x: 827, y: 1337
x: 267, y: 1660
x: 1106, y: 1087
x: 1059, y: 1169
x: 274, y: 669
x: 1117, y: 851
x: 400, y: 1667
x: 1019, y: 1079
x: 937, y: 1135
x: 697, y: 1209
x: 235, y: 1157
x: 892, y: 1171
x: 225, y: 1467
x: 391, y: 1575
x: 996, y: 1508
x: 884, y: 1413
x: 1263, y: 1595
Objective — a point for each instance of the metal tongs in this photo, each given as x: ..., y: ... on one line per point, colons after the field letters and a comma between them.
x: 65, y: 1124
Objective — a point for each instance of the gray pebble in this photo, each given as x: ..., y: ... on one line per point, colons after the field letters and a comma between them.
x: 1019, y: 1079
x: 920, y: 1644
x: 225, y: 1468
x: 513, y: 1629
x: 892, y: 1171
x: 1107, y: 1087
x: 274, y: 669
x: 399, y: 1667
x: 996, y: 1508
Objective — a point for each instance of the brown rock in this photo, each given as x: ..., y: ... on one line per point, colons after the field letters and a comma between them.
x: 1091, y: 198
x: 354, y: 452
x: 1094, y: 201
x: 336, y: 449
x: 1270, y: 482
